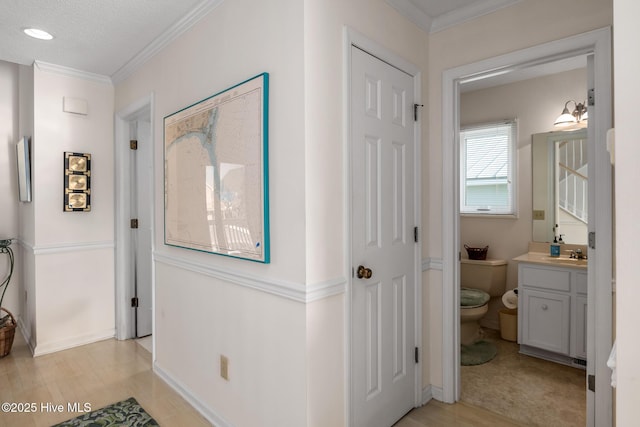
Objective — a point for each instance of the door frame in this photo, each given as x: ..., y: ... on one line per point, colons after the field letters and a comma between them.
x: 125, y: 317
x: 598, y: 43
x: 352, y: 38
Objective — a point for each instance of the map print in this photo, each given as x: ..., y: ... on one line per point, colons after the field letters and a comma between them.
x: 214, y: 174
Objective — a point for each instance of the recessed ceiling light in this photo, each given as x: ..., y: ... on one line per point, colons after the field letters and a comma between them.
x: 37, y: 34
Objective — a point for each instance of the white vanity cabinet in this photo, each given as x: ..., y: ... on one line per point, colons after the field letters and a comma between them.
x: 552, y: 312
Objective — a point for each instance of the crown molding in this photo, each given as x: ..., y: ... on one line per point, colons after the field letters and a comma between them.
x: 176, y: 30
x: 414, y: 14
x: 467, y: 13
x: 71, y: 72
x: 430, y: 24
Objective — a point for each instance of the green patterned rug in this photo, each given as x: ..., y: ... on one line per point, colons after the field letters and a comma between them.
x: 127, y: 413
x: 478, y: 353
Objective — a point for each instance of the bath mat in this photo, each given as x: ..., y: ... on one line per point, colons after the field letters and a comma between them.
x: 478, y: 353
x: 127, y: 413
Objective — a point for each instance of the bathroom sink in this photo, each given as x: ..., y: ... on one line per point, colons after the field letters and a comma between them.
x: 566, y: 260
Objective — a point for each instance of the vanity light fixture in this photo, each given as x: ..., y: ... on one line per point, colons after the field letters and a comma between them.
x: 579, y: 114
x: 37, y: 34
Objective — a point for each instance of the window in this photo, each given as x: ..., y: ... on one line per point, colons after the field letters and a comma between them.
x: 487, y: 169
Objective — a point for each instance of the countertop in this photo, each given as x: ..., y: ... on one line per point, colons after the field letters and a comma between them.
x: 544, y: 258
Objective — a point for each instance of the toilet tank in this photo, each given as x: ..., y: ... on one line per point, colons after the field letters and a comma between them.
x: 488, y: 275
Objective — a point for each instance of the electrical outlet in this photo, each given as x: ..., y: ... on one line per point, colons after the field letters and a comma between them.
x: 538, y: 215
x: 224, y: 367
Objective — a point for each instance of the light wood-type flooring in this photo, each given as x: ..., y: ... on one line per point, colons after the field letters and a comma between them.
x: 109, y: 371
x: 100, y: 374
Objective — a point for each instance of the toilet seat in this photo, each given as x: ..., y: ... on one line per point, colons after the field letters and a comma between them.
x: 473, y: 298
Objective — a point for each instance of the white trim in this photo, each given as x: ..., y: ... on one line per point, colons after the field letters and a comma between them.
x: 319, y: 291
x: 72, y: 342
x: 437, y: 393
x: 427, y: 394
x: 432, y: 264
x: 414, y: 14
x: 67, y: 247
x: 597, y: 42
x: 348, y: 207
x: 353, y: 38
x: 292, y: 291
x: 430, y: 24
x: 362, y: 42
x: 25, y: 334
x: 175, y: 31
x: 72, y: 72
x: 431, y: 392
x: 210, y: 415
x: 467, y: 13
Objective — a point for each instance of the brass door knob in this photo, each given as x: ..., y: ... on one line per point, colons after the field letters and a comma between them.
x: 364, y: 272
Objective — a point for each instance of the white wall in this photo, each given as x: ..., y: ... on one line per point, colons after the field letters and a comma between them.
x: 326, y: 178
x: 627, y: 152
x: 199, y: 314
x: 9, y: 134
x: 536, y: 103
x: 71, y: 254
x: 304, y: 56
x: 26, y: 230
x: 522, y: 25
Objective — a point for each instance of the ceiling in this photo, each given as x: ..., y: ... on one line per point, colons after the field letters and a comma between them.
x: 109, y: 38
x: 94, y: 36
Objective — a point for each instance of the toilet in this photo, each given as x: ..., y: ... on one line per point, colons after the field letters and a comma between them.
x: 479, y: 281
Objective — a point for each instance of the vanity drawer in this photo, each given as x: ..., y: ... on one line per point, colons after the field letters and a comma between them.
x: 581, y: 282
x: 545, y: 278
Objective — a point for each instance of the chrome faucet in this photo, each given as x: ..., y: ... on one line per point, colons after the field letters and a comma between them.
x: 577, y: 254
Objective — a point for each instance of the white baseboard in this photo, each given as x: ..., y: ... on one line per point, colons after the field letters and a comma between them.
x: 26, y: 335
x: 437, y: 393
x: 209, y: 414
x: 72, y: 342
x: 427, y: 395
x: 431, y: 392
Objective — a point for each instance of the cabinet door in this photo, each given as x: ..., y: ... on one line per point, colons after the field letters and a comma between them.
x: 545, y: 317
x: 579, y: 332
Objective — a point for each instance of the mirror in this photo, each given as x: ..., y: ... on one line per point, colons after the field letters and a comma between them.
x: 23, y: 154
x: 560, y: 186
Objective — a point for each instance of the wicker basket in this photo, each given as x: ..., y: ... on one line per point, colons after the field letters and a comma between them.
x: 477, y: 253
x: 7, y: 333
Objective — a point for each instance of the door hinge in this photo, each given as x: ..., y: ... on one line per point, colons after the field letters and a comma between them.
x: 592, y: 239
x: 134, y: 302
x: 415, y: 111
x: 591, y: 97
x: 133, y: 144
x: 134, y: 223
x: 591, y: 382
x: 417, y: 355
x: 415, y: 234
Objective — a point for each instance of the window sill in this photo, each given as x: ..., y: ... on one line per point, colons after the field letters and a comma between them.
x: 488, y: 215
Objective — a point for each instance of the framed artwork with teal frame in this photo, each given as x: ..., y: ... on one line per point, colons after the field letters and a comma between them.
x: 216, y: 173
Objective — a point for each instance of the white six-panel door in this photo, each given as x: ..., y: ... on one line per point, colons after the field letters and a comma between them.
x: 383, y: 308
